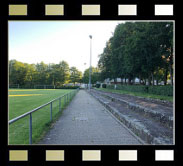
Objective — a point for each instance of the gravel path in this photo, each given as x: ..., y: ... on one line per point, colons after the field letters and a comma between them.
x: 86, y: 122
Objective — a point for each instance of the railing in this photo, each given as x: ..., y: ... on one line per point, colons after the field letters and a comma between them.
x: 67, y: 97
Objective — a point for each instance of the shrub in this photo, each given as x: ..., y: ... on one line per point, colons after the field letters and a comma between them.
x: 133, y: 88
x: 161, y: 90
x: 67, y: 87
x: 97, y: 85
x: 110, y: 87
x: 157, y: 90
x: 104, y: 85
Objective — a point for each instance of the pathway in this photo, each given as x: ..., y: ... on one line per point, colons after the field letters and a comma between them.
x: 86, y: 122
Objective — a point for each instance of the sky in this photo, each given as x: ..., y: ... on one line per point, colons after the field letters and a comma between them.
x: 54, y: 41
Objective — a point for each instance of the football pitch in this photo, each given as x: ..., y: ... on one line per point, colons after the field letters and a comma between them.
x: 24, y: 100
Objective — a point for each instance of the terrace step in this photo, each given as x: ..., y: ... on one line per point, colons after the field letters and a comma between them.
x: 156, y: 110
x: 148, y: 130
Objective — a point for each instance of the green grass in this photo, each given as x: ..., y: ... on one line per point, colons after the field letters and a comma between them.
x: 146, y: 95
x: 18, y: 105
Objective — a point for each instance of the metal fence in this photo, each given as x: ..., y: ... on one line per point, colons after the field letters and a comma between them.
x: 67, y: 97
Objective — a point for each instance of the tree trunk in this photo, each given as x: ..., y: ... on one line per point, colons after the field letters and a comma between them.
x: 149, y: 80
x: 165, y: 77
x: 129, y: 80
x: 140, y: 80
x: 121, y: 81
x: 171, y: 66
x: 156, y: 81
x: 152, y: 75
x: 171, y: 74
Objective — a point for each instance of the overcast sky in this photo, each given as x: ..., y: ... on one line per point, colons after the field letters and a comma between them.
x: 54, y: 41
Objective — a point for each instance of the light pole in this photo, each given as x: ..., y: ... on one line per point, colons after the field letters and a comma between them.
x: 90, y: 71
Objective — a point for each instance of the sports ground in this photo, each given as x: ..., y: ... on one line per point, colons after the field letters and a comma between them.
x: 24, y: 100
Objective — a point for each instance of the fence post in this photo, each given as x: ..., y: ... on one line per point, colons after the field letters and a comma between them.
x: 60, y: 104
x: 64, y: 101
x: 30, y: 129
x: 51, y: 111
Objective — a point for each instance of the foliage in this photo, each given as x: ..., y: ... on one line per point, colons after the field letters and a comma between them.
x: 139, y: 49
x: 67, y: 87
x: 104, y: 85
x: 75, y: 75
x: 97, y: 85
x: 95, y: 76
x: 161, y: 90
x: 28, y: 75
x: 157, y: 90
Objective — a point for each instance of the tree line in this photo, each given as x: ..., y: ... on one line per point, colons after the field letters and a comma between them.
x: 28, y: 75
x: 141, y: 50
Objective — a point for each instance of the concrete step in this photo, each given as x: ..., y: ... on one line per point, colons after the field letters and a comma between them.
x: 163, y: 114
x: 148, y: 130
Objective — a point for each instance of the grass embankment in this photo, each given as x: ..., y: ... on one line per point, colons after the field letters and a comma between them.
x: 24, y: 100
x: 141, y: 94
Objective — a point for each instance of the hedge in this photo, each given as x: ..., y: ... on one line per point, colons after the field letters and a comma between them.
x: 161, y: 90
x: 67, y: 87
x: 157, y: 90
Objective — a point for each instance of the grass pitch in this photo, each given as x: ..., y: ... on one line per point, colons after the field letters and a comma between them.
x: 24, y: 100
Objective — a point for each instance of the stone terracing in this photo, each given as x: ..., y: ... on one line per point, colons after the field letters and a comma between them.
x: 151, y: 120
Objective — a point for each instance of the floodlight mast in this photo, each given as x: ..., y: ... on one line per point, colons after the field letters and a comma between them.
x: 90, y: 70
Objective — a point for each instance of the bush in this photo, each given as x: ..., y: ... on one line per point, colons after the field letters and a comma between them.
x: 133, y: 88
x: 104, y: 85
x: 67, y: 87
x: 161, y: 90
x: 157, y: 90
x: 97, y: 85
x: 110, y: 87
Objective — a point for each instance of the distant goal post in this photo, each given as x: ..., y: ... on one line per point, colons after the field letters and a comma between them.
x: 44, y: 86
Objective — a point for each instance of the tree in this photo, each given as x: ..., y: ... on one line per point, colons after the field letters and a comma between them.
x: 27, y: 75
x: 139, y: 49
x: 60, y: 73
x: 75, y: 75
x: 17, y: 72
x: 30, y: 75
x: 95, y: 76
x: 41, y: 73
x: 105, y: 62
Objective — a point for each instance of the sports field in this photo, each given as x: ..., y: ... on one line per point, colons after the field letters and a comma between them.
x: 24, y: 100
